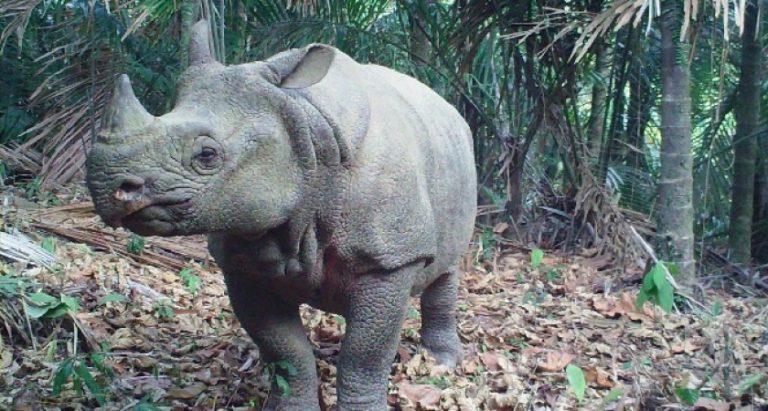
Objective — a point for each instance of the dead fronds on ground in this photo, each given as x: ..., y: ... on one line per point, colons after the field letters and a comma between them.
x: 132, y: 330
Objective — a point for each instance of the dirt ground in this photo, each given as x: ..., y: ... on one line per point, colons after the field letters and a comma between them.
x: 142, y: 337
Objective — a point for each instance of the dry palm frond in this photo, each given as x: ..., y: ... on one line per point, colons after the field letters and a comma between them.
x: 16, y: 246
x: 19, y: 12
x: 170, y: 253
x: 619, y: 14
x: 613, y: 227
x: 77, y: 68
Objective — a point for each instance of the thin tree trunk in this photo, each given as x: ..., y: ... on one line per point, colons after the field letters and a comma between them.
x: 639, y: 110
x: 675, y: 210
x: 514, y: 206
x: 760, y: 212
x: 615, y: 130
x: 188, y: 16
x: 745, y: 144
x: 599, y: 98
x: 420, y: 48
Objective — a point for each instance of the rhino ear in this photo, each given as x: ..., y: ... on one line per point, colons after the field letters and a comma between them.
x: 302, y: 68
x: 199, y: 47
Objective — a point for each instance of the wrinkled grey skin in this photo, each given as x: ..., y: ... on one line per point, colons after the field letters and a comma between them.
x: 318, y: 180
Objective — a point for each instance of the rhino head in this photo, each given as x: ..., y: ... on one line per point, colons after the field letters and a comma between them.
x: 231, y: 156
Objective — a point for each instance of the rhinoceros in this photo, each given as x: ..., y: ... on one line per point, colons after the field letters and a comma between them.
x: 349, y: 187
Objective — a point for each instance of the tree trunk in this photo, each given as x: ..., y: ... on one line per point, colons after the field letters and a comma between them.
x: 675, y: 208
x: 420, y: 48
x: 760, y: 211
x: 640, y: 102
x: 514, y: 206
x: 745, y: 144
x: 599, y: 98
x: 188, y: 17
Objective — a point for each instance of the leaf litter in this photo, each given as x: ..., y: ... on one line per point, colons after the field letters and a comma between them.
x: 527, y: 331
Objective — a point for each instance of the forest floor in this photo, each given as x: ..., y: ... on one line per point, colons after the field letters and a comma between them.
x: 122, y: 334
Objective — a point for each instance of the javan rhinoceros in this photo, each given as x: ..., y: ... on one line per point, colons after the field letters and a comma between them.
x: 318, y: 180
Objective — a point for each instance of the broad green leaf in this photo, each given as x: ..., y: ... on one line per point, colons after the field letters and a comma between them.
x: 282, y: 383
x: 648, y: 282
x: 659, y: 276
x: 687, y: 395
x: 642, y: 297
x: 576, y: 380
x: 35, y: 311
x: 43, y: 299
x: 750, y: 382
x: 666, y: 297
x: 57, y: 311
x: 537, y: 256
x: 48, y: 244
x: 71, y: 303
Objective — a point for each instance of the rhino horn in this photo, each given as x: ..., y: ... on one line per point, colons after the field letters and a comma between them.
x: 199, y: 47
x: 125, y: 110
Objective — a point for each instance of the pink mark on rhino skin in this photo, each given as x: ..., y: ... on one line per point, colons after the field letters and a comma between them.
x: 132, y: 201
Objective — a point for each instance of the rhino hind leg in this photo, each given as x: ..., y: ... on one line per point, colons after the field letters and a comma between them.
x: 276, y: 328
x: 438, y: 319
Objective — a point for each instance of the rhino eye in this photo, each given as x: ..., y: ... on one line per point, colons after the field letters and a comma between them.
x: 206, y: 158
x: 207, y: 154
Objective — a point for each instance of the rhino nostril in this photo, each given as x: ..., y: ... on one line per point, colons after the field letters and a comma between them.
x: 130, y: 189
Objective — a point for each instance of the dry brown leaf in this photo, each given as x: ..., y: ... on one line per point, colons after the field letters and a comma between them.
x: 555, y: 361
x: 688, y: 346
x: 188, y: 392
x: 427, y: 396
x: 598, y: 378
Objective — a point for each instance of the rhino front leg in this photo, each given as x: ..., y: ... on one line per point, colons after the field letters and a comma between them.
x: 377, y: 308
x: 438, y: 319
x: 276, y: 328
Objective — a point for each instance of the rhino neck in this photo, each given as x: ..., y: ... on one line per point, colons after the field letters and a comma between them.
x: 324, y: 159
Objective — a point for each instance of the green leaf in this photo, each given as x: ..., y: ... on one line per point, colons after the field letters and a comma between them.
x: 666, y: 297
x: 287, y: 367
x: 687, y: 395
x: 576, y: 380
x: 717, y: 308
x: 71, y: 303
x: 43, y: 299
x: 659, y: 276
x: 537, y: 256
x: 282, y: 383
x: 750, y: 382
x: 614, y: 394
x: 48, y: 244
x: 90, y: 382
x: 111, y: 298
x: 35, y: 311
x: 648, y: 285
x: 57, y: 311
x: 642, y: 297
x: 62, y: 375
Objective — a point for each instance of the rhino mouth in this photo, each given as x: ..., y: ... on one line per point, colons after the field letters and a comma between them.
x: 155, y: 216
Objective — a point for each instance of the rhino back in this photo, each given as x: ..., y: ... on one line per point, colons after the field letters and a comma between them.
x: 412, y: 189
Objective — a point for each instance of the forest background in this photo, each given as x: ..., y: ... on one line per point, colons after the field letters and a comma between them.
x: 655, y: 109
x: 631, y: 129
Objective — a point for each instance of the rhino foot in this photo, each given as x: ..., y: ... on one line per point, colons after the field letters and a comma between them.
x: 445, y: 347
